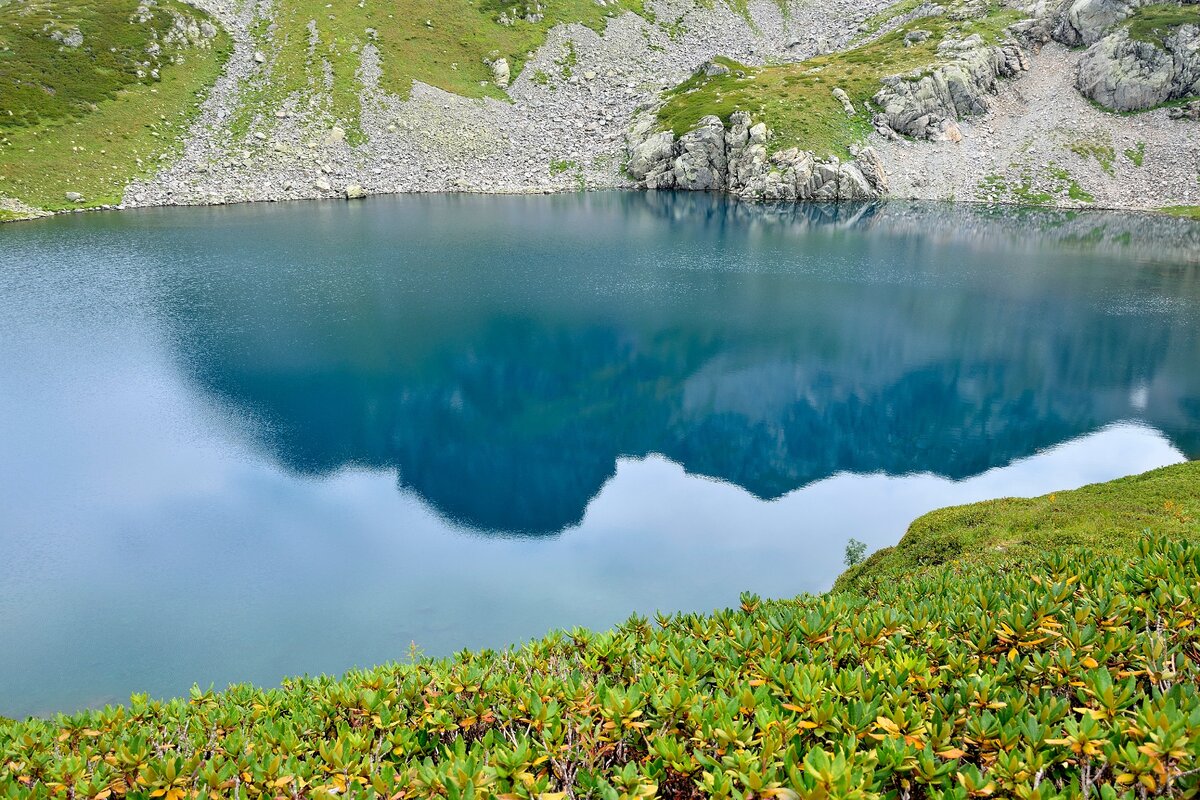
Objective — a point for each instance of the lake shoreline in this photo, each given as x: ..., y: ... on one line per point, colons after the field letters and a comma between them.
x: 1180, y: 212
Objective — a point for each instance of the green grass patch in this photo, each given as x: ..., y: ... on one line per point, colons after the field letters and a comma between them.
x: 1190, y: 212
x: 1038, y: 189
x: 1027, y: 672
x: 59, y: 58
x: 1136, y: 155
x: 1018, y: 530
x: 559, y: 167
x: 94, y: 139
x: 1103, y: 152
x: 1154, y: 23
x: 796, y: 100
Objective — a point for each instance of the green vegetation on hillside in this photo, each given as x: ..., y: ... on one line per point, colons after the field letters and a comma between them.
x: 94, y: 92
x: 1192, y: 212
x: 1073, y: 676
x: 1154, y: 23
x: 315, y: 46
x: 796, y: 100
x: 1011, y: 531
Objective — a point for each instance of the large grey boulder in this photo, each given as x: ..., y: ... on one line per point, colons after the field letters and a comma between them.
x: 1085, y: 22
x: 501, y: 72
x: 1125, y: 74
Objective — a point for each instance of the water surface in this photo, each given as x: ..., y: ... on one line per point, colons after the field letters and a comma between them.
x: 243, y: 443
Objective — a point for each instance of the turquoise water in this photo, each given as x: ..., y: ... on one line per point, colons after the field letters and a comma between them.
x: 243, y: 443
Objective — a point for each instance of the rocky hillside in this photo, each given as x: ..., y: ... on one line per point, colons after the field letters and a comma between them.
x: 149, y: 102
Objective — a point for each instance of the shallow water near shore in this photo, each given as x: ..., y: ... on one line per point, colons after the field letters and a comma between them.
x: 249, y: 442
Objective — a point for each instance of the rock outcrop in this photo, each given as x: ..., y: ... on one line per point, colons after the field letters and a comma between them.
x: 1085, y: 22
x: 735, y: 160
x: 1125, y: 74
x: 929, y: 106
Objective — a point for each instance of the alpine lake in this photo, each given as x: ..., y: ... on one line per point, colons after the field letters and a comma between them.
x: 243, y: 443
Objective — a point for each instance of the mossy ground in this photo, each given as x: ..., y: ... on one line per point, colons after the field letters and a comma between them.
x: 796, y: 100
x: 1012, y: 531
x: 1191, y: 212
x: 90, y: 122
x: 1154, y: 23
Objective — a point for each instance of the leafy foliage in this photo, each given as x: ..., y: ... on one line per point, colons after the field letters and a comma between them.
x: 856, y: 551
x: 1073, y: 678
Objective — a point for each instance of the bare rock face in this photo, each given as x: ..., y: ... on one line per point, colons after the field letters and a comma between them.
x: 1124, y: 74
x: 700, y: 164
x: 928, y: 106
x: 735, y: 160
x: 1085, y: 22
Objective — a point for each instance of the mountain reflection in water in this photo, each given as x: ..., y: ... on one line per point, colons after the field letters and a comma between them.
x: 503, y: 366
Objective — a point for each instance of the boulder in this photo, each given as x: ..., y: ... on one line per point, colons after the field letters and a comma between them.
x: 915, y: 37
x: 1126, y: 74
x: 1085, y: 22
x: 501, y: 73
x: 73, y: 197
x: 651, y: 159
x: 736, y: 161
x: 840, y: 95
x: 355, y: 192
x: 1188, y: 111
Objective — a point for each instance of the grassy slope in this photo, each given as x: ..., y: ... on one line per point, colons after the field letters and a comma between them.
x: 1013, y: 531
x: 92, y: 123
x: 1154, y: 23
x: 449, y: 53
x: 948, y: 682
x: 796, y: 100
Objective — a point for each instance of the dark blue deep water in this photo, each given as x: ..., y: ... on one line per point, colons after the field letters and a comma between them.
x: 243, y: 443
